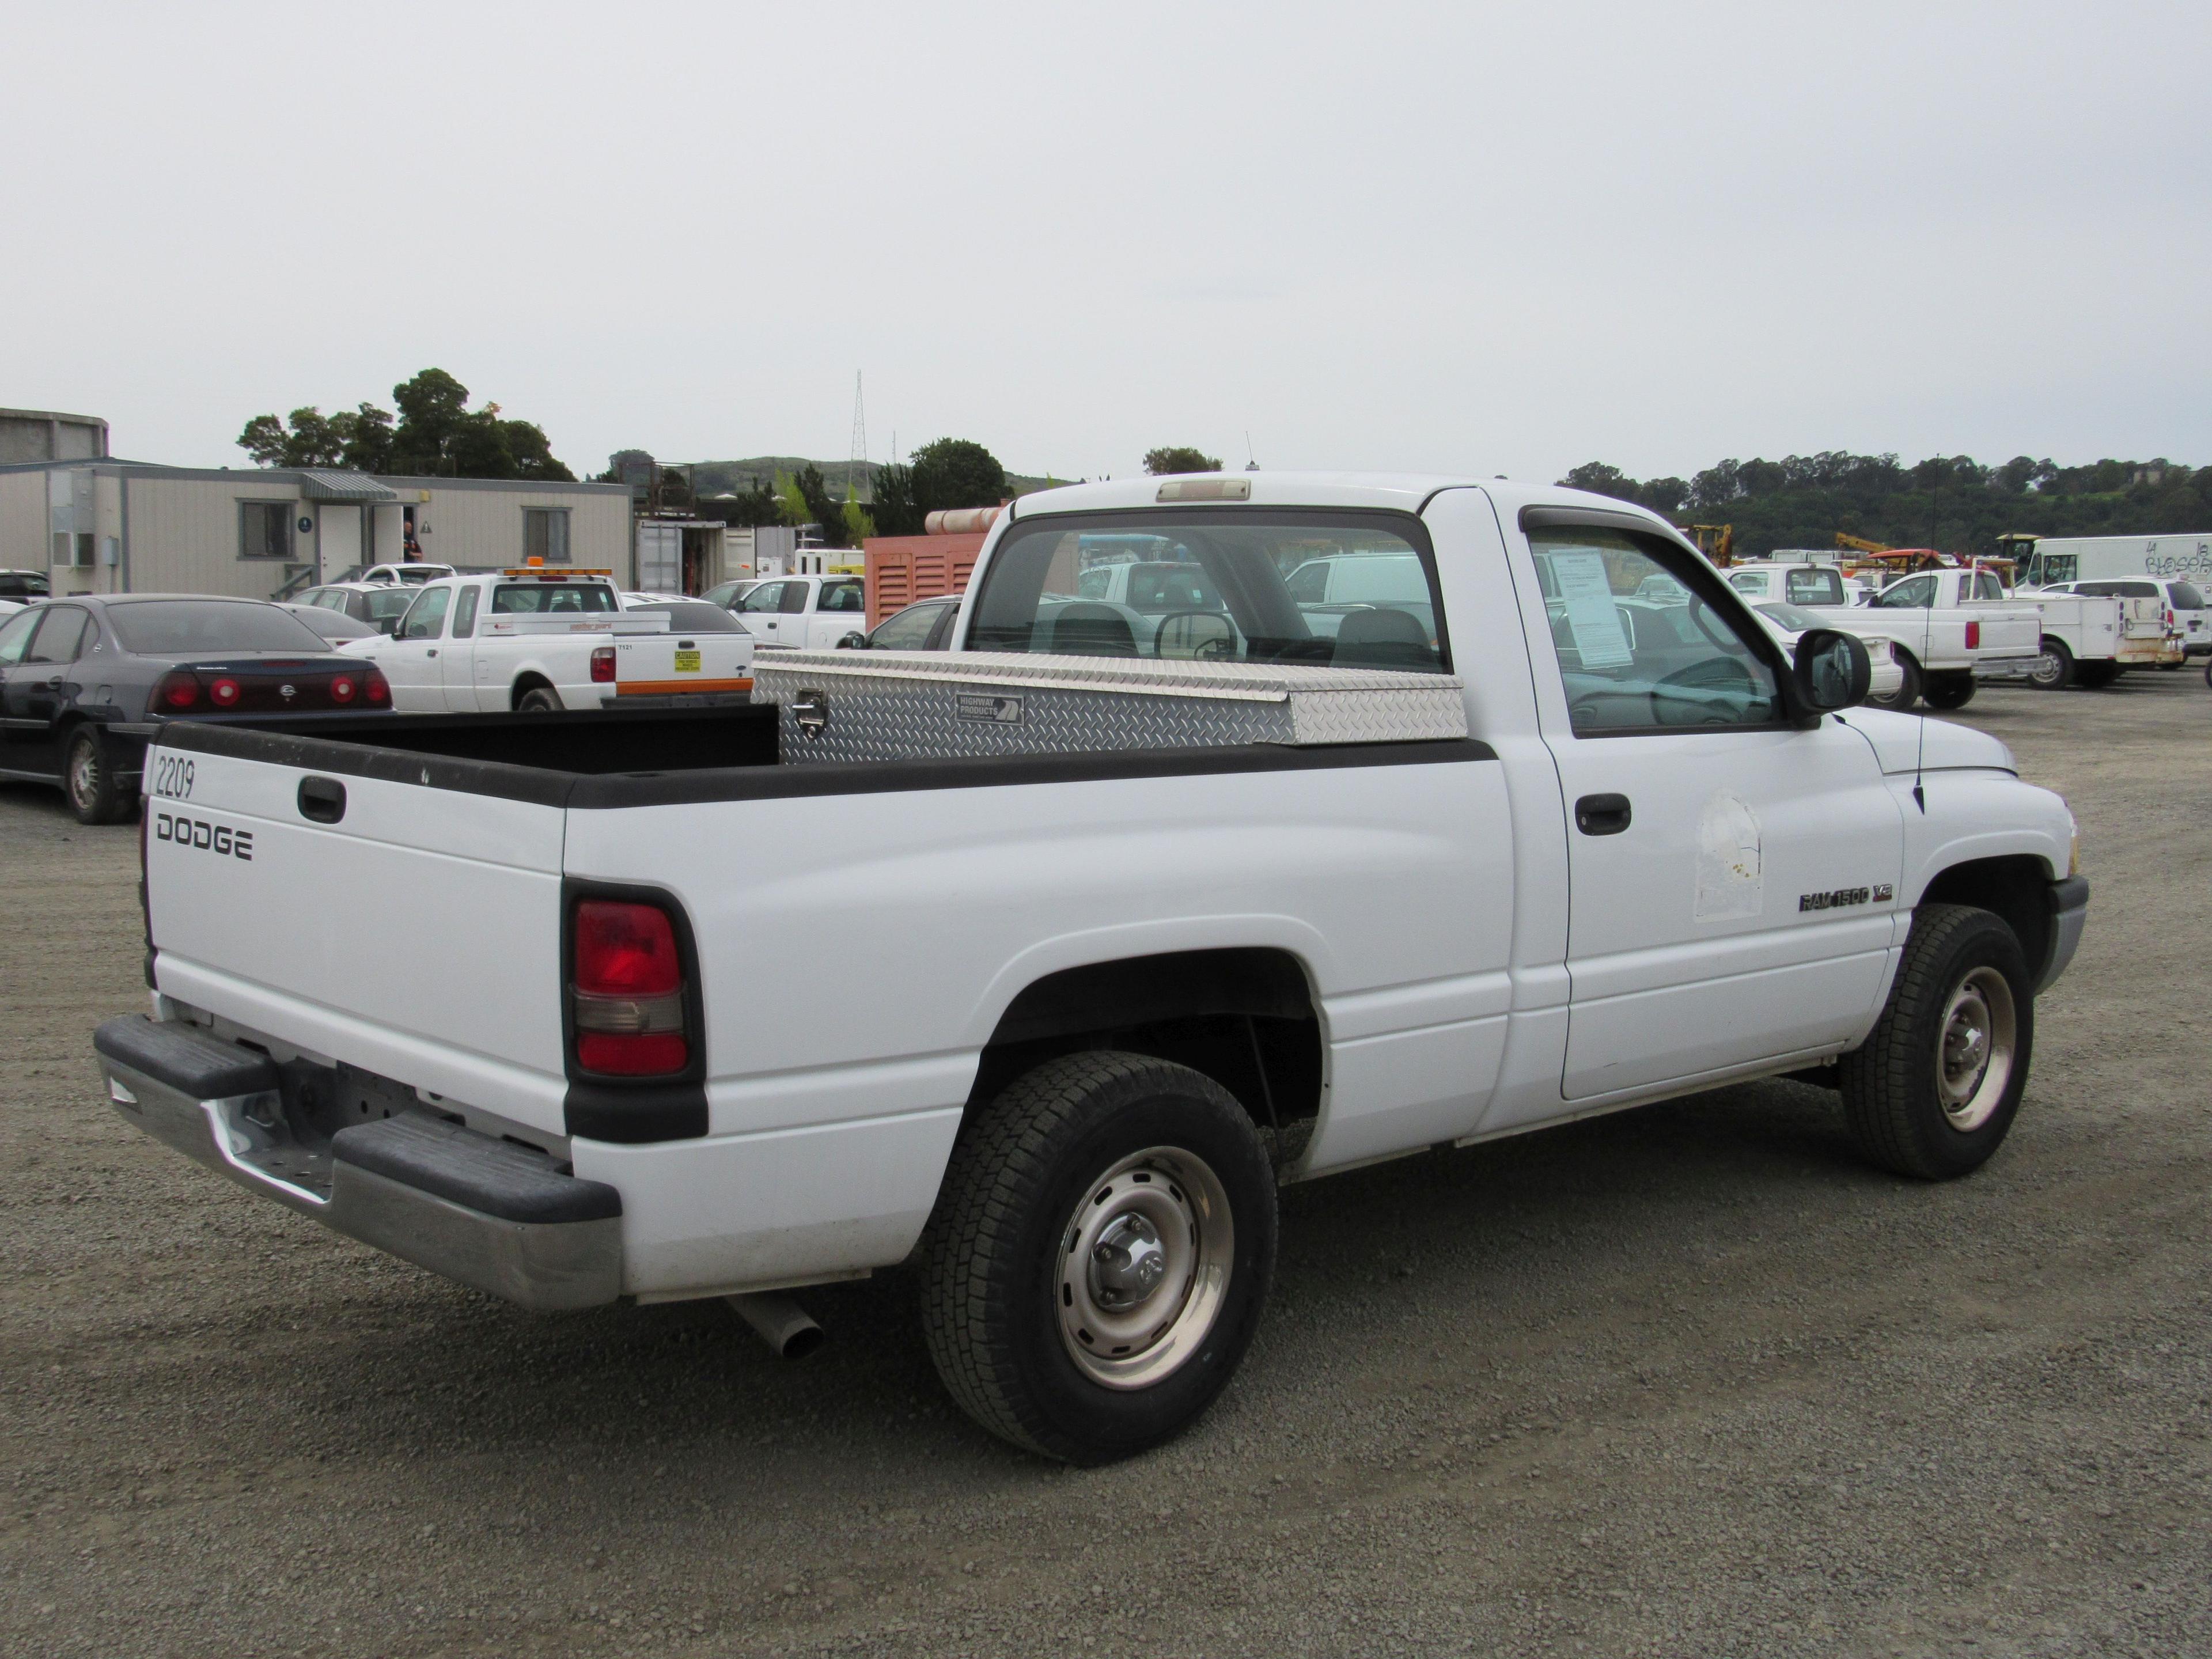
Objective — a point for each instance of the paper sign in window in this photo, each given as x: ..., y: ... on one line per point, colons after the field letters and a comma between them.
x: 1586, y: 593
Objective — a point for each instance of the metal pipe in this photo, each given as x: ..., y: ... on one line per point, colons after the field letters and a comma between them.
x: 781, y: 1322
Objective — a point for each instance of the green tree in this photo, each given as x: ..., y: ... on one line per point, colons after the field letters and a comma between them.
x: 895, y: 512
x: 795, y: 510
x: 822, y: 508
x: 952, y: 472
x: 858, y: 525
x: 1180, y: 458
x: 436, y: 435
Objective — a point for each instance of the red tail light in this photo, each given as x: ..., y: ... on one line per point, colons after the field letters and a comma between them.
x: 375, y: 690
x: 180, y: 688
x: 1973, y: 636
x: 603, y: 664
x: 627, y: 985
x: 224, y: 693
x: 343, y: 689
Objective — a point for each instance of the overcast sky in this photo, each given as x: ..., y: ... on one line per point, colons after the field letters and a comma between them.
x: 1477, y: 240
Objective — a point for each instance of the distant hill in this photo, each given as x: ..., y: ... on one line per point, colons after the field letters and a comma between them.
x: 1952, y: 502
x: 734, y: 478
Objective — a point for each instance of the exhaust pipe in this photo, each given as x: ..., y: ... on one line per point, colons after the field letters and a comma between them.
x: 782, y: 1323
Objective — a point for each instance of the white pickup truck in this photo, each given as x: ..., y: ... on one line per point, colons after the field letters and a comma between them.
x: 1946, y: 628
x: 531, y: 641
x: 803, y: 613
x: 1137, y: 937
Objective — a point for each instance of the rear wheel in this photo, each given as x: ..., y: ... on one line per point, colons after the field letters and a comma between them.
x: 2054, y: 669
x: 88, y: 778
x: 1934, y: 1089
x: 1908, y: 689
x: 1949, y: 690
x: 1099, y: 1255
x: 538, y: 700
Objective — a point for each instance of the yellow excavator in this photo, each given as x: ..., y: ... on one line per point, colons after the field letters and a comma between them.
x: 1716, y: 541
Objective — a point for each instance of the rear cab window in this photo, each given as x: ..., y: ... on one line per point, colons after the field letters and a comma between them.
x: 527, y: 598
x: 1217, y: 585
x: 1813, y: 588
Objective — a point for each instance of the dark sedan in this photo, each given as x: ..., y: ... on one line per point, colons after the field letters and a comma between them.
x: 85, y: 681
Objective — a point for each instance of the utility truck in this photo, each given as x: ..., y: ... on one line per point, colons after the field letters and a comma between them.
x: 533, y: 639
x: 1137, y: 936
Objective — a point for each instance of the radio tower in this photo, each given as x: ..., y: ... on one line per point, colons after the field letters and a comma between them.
x: 859, y: 457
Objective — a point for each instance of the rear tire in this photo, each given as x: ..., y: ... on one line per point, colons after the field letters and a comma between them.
x: 1948, y: 691
x: 89, y: 777
x: 1934, y: 1089
x: 2054, y: 669
x: 1099, y: 1255
x: 539, y: 700
x: 1908, y: 690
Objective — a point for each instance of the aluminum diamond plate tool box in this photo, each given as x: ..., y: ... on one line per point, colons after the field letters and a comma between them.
x: 927, y: 705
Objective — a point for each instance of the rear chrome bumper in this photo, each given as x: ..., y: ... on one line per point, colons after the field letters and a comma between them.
x: 490, y: 1213
x: 2070, y: 909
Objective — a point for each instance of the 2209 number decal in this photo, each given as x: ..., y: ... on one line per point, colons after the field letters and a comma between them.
x: 172, y: 777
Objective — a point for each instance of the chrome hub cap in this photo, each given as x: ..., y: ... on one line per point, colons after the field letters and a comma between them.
x: 1974, y: 1062
x: 1144, y: 1268
x: 84, y: 774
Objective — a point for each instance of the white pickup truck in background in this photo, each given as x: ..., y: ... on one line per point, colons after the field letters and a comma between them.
x: 1944, y: 628
x: 803, y: 613
x: 532, y: 640
x: 1598, y: 845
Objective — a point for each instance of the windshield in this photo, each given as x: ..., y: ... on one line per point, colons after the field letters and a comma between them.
x: 1791, y: 616
x: 551, y: 599
x: 157, y: 628
x: 1214, y: 585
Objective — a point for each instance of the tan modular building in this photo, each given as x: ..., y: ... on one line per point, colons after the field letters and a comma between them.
x: 110, y: 527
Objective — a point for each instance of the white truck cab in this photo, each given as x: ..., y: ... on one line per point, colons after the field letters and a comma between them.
x: 803, y: 613
x: 1578, y: 846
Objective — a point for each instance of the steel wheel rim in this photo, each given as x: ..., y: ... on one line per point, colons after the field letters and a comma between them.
x: 83, y: 773
x: 1974, y: 1055
x: 2047, y: 669
x: 1144, y: 1268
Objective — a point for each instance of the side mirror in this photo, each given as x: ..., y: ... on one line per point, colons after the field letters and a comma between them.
x: 854, y: 641
x: 1831, y: 670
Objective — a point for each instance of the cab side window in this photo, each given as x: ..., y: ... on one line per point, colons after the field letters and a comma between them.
x: 465, y: 614
x: 1629, y: 662
x: 767, y: 596
x: 794, y: 599
x: 426, y: 617
x: 1913, y: 593
x: 842, y: 596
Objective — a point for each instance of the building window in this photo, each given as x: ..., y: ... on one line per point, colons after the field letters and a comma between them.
x: 73, y: 548
x: 265, y: 530
x: 546, y: 534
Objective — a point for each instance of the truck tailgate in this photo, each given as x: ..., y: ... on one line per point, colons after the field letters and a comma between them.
x: 681, y: 665
x: 415, y: 931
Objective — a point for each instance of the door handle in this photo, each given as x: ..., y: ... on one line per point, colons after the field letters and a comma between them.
x: 1602, y: 815
x: 322, y: 800
x: 432, y: 651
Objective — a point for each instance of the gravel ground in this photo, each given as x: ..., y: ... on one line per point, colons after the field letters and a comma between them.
x: 1688, y: 1380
